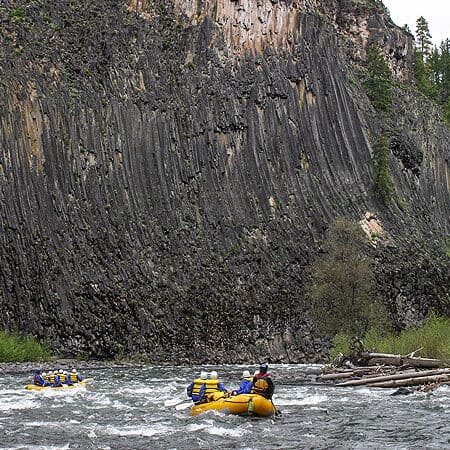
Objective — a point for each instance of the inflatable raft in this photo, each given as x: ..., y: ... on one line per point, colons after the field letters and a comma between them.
x: 242, y: 405
x: 34, y: 387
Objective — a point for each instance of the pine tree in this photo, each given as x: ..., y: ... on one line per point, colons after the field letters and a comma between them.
x: 423, y: 36
x: 378, y: 82
x: 383, y: 177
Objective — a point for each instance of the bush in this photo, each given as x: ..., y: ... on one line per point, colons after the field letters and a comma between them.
x: 18, y: 348
x: 433, y: 336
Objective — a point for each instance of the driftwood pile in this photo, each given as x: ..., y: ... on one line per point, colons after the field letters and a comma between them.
x: 389, y: 371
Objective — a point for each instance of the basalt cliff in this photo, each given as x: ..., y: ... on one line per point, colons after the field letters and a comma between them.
x: 168, y: 169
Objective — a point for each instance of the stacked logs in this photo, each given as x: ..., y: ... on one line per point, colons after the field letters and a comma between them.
x: 390, y: 371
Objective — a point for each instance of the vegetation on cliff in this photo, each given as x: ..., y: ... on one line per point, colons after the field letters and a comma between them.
x: 432, y: 68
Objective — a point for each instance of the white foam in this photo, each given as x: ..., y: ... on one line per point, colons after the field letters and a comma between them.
x: 12, y: 404
x: 154, y: 430
x: 310, y: 400
x: 221, y: 431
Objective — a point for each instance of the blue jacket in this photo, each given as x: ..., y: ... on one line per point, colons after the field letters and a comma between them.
x: 196, y: 390
x: 39, y: 380
x: 245, y: 387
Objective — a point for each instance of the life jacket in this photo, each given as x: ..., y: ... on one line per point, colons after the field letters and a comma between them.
x: 211, y: 386
x: 198, y: 383
x: 261, y: 385
x: 73, y: 378
x: 51, y: 378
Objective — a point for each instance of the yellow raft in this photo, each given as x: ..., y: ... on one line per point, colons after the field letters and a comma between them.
x: 34, y: 387
x: 242, y: 405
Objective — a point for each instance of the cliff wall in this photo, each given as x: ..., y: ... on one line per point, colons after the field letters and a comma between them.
x: 168, y: 170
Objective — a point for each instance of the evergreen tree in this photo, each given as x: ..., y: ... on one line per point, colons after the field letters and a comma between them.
x: 445, y: 71
x: 423, y: 36
x: 383, y: 177
x: 378, y: 82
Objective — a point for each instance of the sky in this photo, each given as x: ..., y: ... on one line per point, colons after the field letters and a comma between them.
x: 436, y: 13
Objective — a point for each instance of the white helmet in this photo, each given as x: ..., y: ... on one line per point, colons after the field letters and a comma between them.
x: 213, y: 375
x: 203, y: 375
x: 246, y: 374
x: 43, y: 374
x: 65, y: 372
x: 60, y: 371
x: 74, y: 371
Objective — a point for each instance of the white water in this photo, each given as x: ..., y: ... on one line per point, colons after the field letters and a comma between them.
x: 137, y: 409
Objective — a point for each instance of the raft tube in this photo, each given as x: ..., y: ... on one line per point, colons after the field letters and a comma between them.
x: 34, y: 387
x: 242, y: 405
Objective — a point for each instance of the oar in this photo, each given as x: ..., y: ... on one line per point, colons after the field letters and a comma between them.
x: 183, y: 406
x: 173, y: 401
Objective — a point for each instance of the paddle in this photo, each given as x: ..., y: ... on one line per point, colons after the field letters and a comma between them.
x: 173, y: 401
x: 183, y: 406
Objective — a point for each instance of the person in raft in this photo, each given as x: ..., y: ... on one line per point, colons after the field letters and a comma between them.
x: 196, y: 390
x: 38, y: 379
x: 246, y: 384
x: 262, y: 382
x: 75, y: 377
x: 214, y: 385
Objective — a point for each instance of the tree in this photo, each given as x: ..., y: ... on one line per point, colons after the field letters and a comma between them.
x: 341, y: 289
x: 423, y: 36
x: 378, y: 81
x: 383, y: 177
x: 432, y: 76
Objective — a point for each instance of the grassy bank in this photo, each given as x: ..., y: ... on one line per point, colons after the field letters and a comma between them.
x: 18, y: 348
x: 433, y: 336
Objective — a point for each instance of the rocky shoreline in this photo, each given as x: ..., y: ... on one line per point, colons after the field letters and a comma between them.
x: 64, y: 364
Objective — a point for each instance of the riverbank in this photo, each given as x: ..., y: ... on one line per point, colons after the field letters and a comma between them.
x: 64, y: 364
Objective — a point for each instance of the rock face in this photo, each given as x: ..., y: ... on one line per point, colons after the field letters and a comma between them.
x: 167, y: 172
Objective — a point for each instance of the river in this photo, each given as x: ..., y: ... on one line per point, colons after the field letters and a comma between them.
x: 134, y: 409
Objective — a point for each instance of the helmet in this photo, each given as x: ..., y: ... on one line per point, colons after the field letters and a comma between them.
x: 245, y: 374
x: 203, y: 375
x: 263, y: 367
x: 74, y: 371
x: 213, y: 375
x: 60, y: 371
x: 65, y: 372
x: 44, y: 374
x: 38, y: 370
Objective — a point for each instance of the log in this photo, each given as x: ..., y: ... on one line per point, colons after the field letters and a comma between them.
x: 397, y: 376
x: 353, y: 373
x: 337, y: 376
x: 398, y: 360
x: 412, y: 381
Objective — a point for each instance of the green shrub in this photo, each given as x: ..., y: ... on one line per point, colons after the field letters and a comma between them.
x: 18, y: 348
x: 432, y: 337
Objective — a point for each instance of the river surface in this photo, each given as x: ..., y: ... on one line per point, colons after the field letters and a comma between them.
x: 135, y: 409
